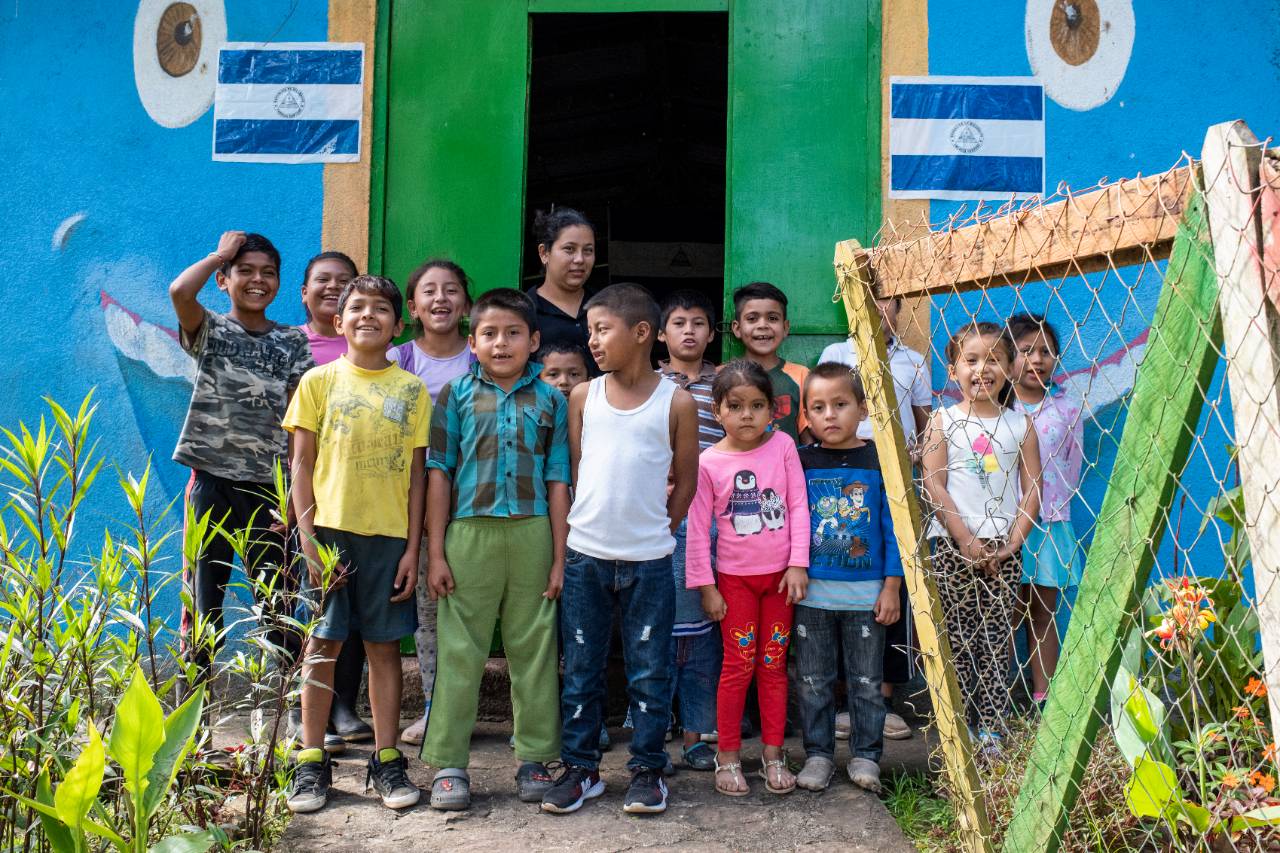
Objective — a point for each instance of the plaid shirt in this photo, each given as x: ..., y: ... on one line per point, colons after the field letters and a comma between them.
x: 709, y: 429
x: 500, y: 449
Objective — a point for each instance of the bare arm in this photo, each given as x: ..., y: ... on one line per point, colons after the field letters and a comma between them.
x: 439, y: 498
x: 577, y: 402
x: 558, y: 510
x: 684, y: 464
x: 303, y: 498
x: 184, y: 291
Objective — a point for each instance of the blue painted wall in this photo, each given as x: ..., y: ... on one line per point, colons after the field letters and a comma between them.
x: 77, y: 139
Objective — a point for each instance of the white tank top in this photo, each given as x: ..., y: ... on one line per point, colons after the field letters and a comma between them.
x: 982, y: 470
x: 620, y: 501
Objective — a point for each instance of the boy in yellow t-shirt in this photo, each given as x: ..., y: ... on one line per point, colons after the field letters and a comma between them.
x: 359, y: 429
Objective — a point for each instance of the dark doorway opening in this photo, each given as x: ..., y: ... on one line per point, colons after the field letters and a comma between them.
x: 627, y: 123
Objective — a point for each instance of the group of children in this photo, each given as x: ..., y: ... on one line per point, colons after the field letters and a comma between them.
x: 726, y: 514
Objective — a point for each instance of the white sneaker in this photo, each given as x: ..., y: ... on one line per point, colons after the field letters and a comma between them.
x: 415, y: 733
x: 895, y: 728
x: 865, y: 773
x: 843, y: 725
x: 816, y: 774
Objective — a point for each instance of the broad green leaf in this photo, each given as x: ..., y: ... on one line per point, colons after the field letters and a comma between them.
x: 1197, y: 815
x: 1152, y: 790
x: 137, y: 733
x: 74, y: 797
x: 1137, y: 718
x: 55, y: 831
x: 1266, y: 816
x: 192, y: 842
x: 179, y: 733
x: 87, y: 825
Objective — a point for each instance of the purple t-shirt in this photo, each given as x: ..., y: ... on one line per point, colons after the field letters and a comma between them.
x: 434, y: 372
x: 1060, y: 428
x: 324, y: 349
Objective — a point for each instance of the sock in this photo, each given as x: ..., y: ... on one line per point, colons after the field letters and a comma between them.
x: 306, y: 756
x: 388, y: 754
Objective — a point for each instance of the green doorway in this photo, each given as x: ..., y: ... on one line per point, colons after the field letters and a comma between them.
x: 628, y: 123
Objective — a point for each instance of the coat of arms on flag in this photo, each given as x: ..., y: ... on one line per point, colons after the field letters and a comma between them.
x: 289, y: 103
x: 966, y: 137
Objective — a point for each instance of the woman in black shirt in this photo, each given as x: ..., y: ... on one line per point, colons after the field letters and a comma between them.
x: 567, y: 248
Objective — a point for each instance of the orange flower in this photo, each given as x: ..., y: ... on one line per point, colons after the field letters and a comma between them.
x: 1265, y: 781
x: 1230, y: 780
x: 1255, y: 688
x: 1269, y: 752
x: 1241, y: 712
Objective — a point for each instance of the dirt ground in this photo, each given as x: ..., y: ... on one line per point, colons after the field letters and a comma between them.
x: 842, y: 818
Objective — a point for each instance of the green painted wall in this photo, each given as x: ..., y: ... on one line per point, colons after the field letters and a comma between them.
x: 803, y: 147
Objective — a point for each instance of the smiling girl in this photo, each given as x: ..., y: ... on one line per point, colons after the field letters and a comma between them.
x: 327, y: 274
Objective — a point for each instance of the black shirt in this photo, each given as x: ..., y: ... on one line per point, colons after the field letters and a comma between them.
x: 557, y: 326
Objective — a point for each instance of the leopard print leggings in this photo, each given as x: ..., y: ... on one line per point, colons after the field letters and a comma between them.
x: 980, y: 611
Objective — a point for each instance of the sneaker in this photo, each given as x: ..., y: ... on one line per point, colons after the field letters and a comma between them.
x: 575, y: 786
x: 312, y: 778
x: 896, y: 728
x: 864, y: 773
x: 700, y: 756
x: 334, y: 744
x: 816, y: 773
x: 843, y: 725
x: 647, y: 793
x: 389, y: 775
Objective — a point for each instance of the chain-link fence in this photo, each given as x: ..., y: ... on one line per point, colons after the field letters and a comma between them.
x: 1101, y: 464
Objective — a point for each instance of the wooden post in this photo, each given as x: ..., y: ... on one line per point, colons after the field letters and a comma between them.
x: 1230, y: 165
x: 908, y: 528
x: 1169, y: 391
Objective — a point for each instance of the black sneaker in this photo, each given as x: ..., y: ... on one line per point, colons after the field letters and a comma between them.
x: 575, y: 786
x: 312, y: 777
x: 647, y: 793
x: 390, y: 778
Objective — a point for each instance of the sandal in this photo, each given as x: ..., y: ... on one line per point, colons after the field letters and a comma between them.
x: 734, y: 768
x: 451, y: 790
x: 776, y: 764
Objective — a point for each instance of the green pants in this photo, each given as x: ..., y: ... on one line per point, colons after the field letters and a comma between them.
x: 500, y: 568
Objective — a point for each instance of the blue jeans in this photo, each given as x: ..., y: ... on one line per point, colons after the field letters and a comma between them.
x: 643, y: 590
x: 695, y: 675
x: 815, y: 636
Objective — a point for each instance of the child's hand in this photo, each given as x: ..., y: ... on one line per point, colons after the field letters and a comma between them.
x: 555, y: 581
x: 887, y: 609
x: 796, y: 583
x: 439, y: 579
x: 713, y: 603
x: 228, y: 244
x: 973, y: 550
x: 406, y: 577
x: 315, y: 568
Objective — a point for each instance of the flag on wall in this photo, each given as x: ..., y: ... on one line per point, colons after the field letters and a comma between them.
x: 966, y: 137
x: 289, y: 103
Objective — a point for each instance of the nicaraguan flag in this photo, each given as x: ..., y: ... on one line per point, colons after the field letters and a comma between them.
x: 966, y: 137
x: 289, y: 103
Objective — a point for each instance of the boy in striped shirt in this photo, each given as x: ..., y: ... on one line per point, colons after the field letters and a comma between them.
x: 688, y: 327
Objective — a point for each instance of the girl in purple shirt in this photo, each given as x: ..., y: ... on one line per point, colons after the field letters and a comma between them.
x: 1051, y: 556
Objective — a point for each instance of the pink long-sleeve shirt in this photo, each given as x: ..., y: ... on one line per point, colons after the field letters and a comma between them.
x: 758, y: 502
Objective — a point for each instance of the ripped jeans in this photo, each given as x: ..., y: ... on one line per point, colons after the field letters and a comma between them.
x: 817, y: 638
x: 646, y: 596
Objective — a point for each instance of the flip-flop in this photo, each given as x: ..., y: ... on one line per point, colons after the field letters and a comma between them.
x: 764, y: 774
x: 451, y: 790
x: 734, y: 767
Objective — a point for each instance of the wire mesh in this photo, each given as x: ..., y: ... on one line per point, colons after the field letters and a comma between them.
x: 1097, y: 560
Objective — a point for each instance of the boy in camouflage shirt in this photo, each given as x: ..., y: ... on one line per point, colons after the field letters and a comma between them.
x: 246, y: 368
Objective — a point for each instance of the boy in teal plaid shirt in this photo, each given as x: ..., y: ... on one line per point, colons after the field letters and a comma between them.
x: 497, y: 509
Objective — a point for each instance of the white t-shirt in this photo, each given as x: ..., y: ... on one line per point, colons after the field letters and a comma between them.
x: 910, y: 381
x: 982, y: 470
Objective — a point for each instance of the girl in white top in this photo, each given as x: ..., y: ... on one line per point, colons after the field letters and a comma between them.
x: 981, y: 473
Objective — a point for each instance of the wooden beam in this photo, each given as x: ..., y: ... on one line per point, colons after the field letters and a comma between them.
x: 1230, y: 163
x: 1168, y: 395
x: 1119, y: 224
x: 908, y: 528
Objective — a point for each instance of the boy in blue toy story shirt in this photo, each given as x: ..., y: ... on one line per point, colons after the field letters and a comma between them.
x: 855, y: 573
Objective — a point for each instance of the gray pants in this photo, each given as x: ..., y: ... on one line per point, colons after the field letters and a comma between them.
x: 425, y: 637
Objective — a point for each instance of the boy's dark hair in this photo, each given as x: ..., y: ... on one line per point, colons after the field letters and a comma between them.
x: 506, y: 299
x: 326, y: 256
x: 547, y: 225
x: 373, y: 285
x: 563, y: 347
x: 737, y: 373
x: 1021, y: 325
x: 631, y: 302
x: 254, y: 243
x: 758, y: 290
x: 836, y: 370
x: 688, y: 300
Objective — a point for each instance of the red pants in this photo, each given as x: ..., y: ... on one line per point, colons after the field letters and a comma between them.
x: 756, y: 631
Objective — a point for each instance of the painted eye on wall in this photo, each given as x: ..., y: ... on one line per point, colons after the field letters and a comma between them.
x: 175, y: 57
x: 1080, y: 48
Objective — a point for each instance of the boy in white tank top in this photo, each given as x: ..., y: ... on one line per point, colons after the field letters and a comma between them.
x: 627, y: 429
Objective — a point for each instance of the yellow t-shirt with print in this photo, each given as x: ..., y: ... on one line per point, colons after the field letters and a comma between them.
x: 367, y: 424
